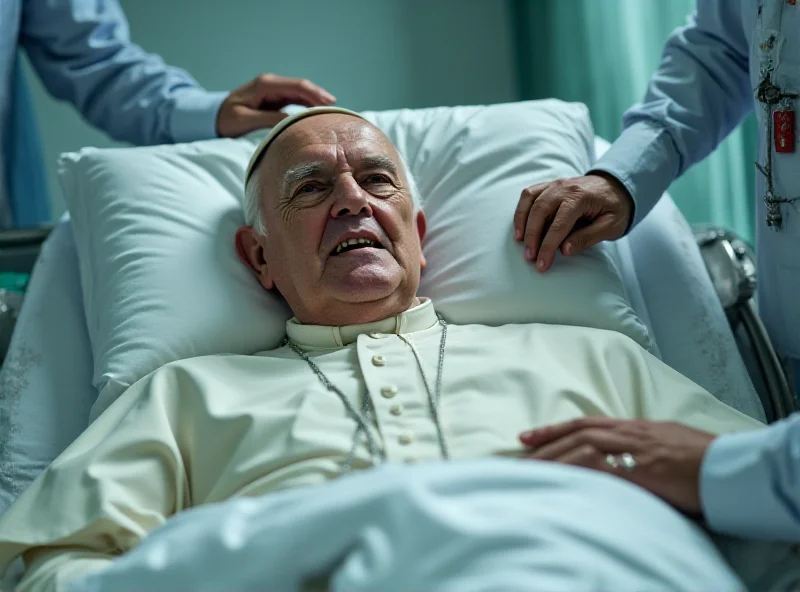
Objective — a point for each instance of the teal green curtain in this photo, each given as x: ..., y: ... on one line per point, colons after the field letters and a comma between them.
x: 602, y: 53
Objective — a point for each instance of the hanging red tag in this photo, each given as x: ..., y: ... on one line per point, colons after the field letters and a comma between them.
x: 783, y: 125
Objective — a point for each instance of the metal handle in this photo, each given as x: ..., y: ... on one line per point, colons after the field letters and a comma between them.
x: 730, y: 262
x: 780, y: 394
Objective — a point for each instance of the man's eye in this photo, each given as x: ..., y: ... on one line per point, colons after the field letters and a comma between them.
x: 378, y: 178
x: 307, y: 188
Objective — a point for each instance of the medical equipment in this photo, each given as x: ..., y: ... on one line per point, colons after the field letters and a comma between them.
x: 731, y: 265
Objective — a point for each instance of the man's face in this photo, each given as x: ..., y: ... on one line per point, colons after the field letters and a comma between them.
x: 343, y: 243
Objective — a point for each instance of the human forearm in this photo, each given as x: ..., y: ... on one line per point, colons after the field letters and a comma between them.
x: 758, y: 471
x: 83, y: 54
x: 699, y: 94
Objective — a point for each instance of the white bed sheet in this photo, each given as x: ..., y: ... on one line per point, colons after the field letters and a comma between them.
x: 469, y: 526
x: 681, y: 308
x: 667, y: 284
x: 46, y: 381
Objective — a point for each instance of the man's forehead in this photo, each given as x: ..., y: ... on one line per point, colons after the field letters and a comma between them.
x: 324, y: 136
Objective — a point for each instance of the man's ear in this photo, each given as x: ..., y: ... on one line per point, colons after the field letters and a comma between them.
x: 422, y: 227
x: 250, y: 249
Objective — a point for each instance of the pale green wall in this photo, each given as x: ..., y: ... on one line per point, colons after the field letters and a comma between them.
x: 371, y: 54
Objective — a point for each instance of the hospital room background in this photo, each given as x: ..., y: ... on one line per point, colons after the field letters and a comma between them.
x: 391, y: 54
x: 142, y: 272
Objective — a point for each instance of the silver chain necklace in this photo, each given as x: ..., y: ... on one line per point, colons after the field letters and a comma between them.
x: 364, y: 417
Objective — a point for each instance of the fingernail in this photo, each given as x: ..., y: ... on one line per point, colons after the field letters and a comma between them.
x: 568, y: 249
x: 527, y: 435
x: 517, y: 235
x: 540, y: 264
x: 529, y: 254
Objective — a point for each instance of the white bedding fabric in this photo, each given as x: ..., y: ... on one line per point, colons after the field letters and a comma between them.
x: 687, y: 319
x: 45, y: 383
x: 668, y: 286
x: 473, y: 526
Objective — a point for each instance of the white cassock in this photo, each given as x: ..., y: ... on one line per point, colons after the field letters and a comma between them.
x: 211, y: 429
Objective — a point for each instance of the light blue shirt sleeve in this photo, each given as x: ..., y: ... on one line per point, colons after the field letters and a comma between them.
x: 750, y: 483
x: 83, y: 54
x: 699, y: 94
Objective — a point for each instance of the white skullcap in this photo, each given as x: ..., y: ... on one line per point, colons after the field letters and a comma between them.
x: 282, y: 125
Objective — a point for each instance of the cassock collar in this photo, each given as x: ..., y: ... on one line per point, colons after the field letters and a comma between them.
x: 418, y: 318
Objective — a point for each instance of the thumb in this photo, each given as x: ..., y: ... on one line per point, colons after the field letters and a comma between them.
x: 602, y: 228
x: 245, y: 120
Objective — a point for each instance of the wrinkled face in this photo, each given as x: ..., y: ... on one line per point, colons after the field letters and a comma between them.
x: 343, y: 242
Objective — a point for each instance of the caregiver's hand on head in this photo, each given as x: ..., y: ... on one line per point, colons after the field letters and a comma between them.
x: 258, y: 103
x: 571, y: 214
x: 667, y: 456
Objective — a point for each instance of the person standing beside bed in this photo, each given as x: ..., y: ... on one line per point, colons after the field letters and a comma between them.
x: 731, y: 57
x: 369, y: 375
x: 83, y: 54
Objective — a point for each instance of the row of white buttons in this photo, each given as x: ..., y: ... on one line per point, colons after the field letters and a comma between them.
x: 389, y: 392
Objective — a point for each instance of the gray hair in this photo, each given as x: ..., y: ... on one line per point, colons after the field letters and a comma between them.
x: 252, y: 198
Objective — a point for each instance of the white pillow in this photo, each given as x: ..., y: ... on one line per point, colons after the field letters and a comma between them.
x: 154, y: 229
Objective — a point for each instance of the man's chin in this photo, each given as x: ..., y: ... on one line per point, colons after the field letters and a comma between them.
x: 365, y: 292
x: 366, y: 282
x: 363, y: 284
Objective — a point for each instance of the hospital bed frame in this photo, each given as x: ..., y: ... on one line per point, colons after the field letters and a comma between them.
x: 730, y: 262
x: 19, y: 249
x: 728, y: 258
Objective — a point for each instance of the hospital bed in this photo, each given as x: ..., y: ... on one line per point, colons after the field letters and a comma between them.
x: 728, y: 259
x: 693, y: 288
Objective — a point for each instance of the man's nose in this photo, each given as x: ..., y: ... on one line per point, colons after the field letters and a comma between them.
x: 350, y: 199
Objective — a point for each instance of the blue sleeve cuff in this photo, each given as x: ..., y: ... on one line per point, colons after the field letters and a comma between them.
x: 194, y: 115
x: 738, y: 491
x: 645, y: 161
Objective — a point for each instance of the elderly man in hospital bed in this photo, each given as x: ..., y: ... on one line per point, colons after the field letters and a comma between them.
x: 370, y: 377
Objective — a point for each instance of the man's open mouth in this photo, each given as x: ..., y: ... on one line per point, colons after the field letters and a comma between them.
x: 355, y: 243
